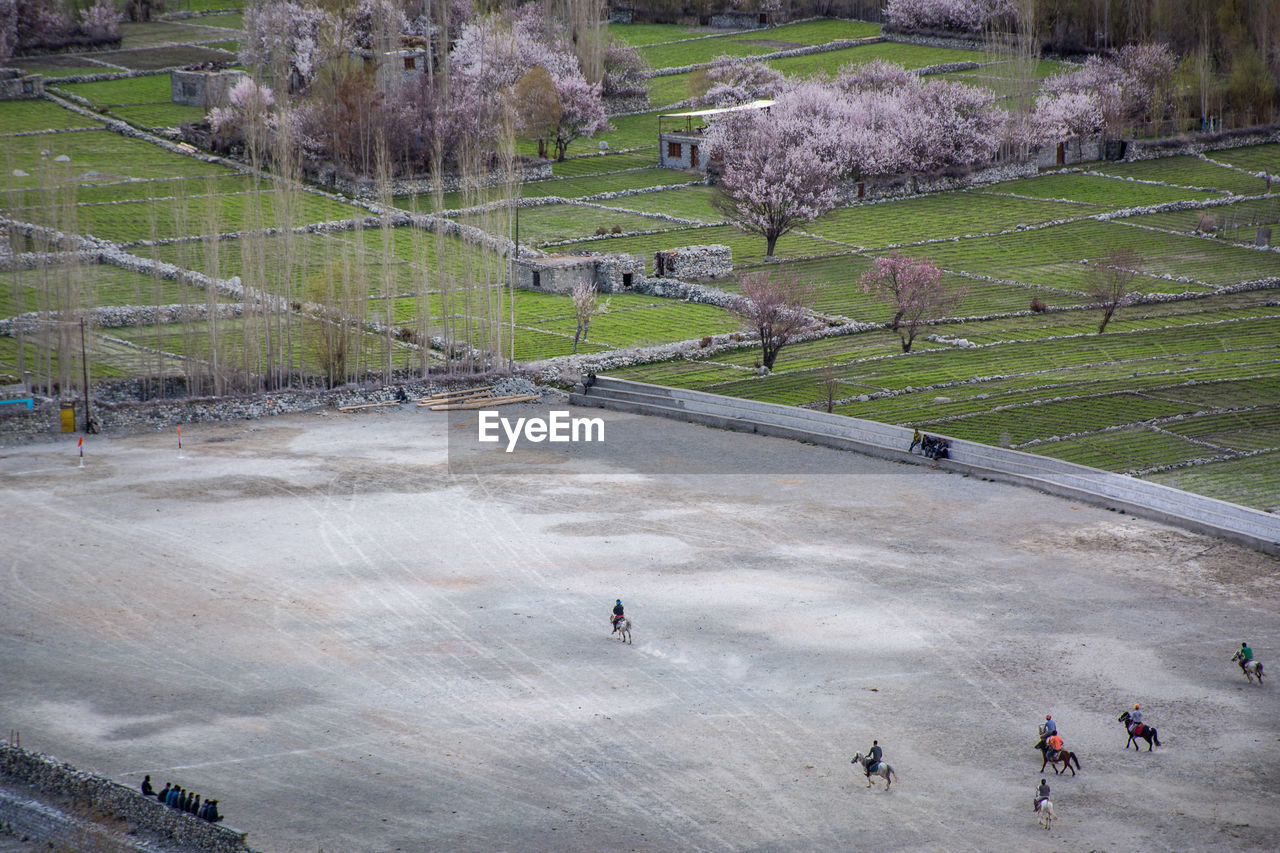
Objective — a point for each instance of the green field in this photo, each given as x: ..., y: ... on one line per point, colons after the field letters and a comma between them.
x: 1182, y: 388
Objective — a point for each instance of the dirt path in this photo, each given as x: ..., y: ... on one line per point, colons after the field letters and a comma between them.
x: 313, y: 620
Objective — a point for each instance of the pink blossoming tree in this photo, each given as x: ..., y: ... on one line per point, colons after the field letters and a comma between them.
x: 776, y: 309
x: 915, y: 290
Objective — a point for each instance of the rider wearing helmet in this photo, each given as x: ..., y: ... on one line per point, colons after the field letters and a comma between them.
x: 1136, y: 716
x: 617, y: 615
x: 1047, y: 728
x: 874, y: 754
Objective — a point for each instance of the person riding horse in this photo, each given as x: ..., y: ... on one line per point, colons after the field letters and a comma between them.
x: 1047, y: 728
x: 1135, y: 719
x: 874, y: 755
x: 1053, y: 746
x: 1042, y: 793
x: 617, y: 615
x: 1246, y: 655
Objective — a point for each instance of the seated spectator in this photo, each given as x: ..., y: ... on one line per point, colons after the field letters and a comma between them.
x: 163, y: 796
x: 211, y: 812
x: 147, y: 790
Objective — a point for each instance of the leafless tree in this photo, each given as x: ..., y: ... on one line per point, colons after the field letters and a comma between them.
x: 1107, y: 281
x: 586, y: 299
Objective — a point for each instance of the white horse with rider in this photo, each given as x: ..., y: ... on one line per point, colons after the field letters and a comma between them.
x: 1248, y: 665
x: 881, y: 769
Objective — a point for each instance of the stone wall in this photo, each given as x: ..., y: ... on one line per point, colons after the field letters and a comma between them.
x: 621, y: 105
x: 739, y: 20
x: 898, y: 186
x: 413, y: 186
x: 146, y: 816
x: 694, y: 262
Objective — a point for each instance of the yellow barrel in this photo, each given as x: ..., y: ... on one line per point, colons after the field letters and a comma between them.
x: 68, y: 417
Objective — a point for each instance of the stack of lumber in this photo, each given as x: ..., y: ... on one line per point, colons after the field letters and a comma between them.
x: 472, y: 398
x: 360, y: 406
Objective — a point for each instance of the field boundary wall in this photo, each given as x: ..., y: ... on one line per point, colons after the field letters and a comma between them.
x: 105, y: 797
x: 1246, y: 526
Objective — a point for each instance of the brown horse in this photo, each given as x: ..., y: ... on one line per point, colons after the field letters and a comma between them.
x: 1065, y: 758
x: 1148, y: 733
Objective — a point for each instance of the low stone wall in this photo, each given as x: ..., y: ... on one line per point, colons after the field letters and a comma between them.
x: 15, y: 85
x: 621, y: 105
x: 1151, y: 149
x: 413, y: 186
x: 892, y: 187
x: 146, y: 816
x: 695, y: 262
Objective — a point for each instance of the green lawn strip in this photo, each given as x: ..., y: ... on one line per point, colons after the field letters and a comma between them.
x: 589, y: 185
x: 149, y: 89
x: 1112, y: 193
x: 820, y: 31
x: 60, y: 65
x: 623, y: 323
x: 1187, y: 171
x: 205, y: 5
x: 130, y: 221
x: 1228, y: 392
x: 692, y: 203
x: 906, y: 55
x: 1237, y: 222
x: 229, y: 20
x: 667, y: 90
x: 24, y: 116
x: 639, y: 35
x: 158, y: 115
x: 536, y: 345
x: 700, y: 375
x: 603, y: 164
x: 703, y: 51
x: 1053, y: 257
x: 150, y: 34
x: 632, y: 131
x: 151, y: 59
x: 231, y: 46
x: 836, y: 280
x: 559, y: 222
x: 1252, y: 481
x: 1124, y: 450
x: 88, y: 193
x: 1253, y: 429
x: 101, y: 284
x: 938, y: 216
x: 112, y: 156
x: 1255, y: 158
x: 746, y: 248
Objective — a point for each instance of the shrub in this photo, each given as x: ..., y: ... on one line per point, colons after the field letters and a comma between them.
x: 601, y: 231
x: 705, y: 342
x: 617, y: 229
x: 1038, y: 306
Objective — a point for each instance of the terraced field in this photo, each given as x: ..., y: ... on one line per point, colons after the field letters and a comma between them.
x: 1182, y: 388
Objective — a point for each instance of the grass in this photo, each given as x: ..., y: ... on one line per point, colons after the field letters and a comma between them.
x: 747, y: 248
x: 1236, y: 222
x: 639, y: 35
x: 1251, y: 481
x: 23, y: 116
x: 149, y: 89
x: 692, y: 203
x: 576, y: 167
x: 590, y: 185
x: 112, y: 156
x: 102, y: 286
x: 906, y: 55
x: 154, y: 59
x: 560, y: 222
x: 151, y: 34
x: 1188, y: 172
x: 1110, y: 193
x: 1257, y: 158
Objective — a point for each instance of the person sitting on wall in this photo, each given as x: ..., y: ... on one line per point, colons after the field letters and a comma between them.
x: 163, y: 796
x: 147, y: 790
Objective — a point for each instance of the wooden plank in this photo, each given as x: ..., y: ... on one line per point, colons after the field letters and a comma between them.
x: 461, y: 398
x: 368, y: 406
x: 445, y: 395
x: 484, y: 404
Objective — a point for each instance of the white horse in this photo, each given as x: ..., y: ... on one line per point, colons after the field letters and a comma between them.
x: 1047, y: 815
x: 883, y: 770
x: 1250, y: 669
x: 623, y: 630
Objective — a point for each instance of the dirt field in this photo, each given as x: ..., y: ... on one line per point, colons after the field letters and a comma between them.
x: 355, y: 648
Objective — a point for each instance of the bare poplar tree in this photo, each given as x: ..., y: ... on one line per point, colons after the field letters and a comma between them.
x: 776, y: 309
x: 586, y: 299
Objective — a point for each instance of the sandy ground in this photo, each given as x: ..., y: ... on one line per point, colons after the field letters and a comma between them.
x: 356, y: 647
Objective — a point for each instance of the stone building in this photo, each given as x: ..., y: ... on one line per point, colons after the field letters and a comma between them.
x: 694, y: 263
x: 616, y: 273
x: 681, y: 136
x: 16, y: 85
x: 203, y: 88
x: 398, y: 68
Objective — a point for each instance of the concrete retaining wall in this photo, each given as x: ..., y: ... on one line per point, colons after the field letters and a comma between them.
x: 1250, y: 527
x: 112, y: 800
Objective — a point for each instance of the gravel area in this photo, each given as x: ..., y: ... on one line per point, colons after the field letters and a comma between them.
x: 360, y: 638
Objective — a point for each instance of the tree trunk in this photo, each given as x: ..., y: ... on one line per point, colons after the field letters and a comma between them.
x: 771, y: 240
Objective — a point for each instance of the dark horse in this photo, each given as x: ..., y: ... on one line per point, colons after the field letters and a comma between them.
x: 1147, y: 733
x: 1065, y: 758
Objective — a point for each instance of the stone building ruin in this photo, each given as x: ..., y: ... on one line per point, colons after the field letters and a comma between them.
x: 694, y: 263
x: 615, y: 273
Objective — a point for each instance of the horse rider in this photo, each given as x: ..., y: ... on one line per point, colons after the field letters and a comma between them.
x: 1042, y: 793
x: 1054, y: 744
x: 1135, y: 718
x: 617, y: 615
x: 874, y: 755
x: 1246, y: 655
x: 1048, y: 727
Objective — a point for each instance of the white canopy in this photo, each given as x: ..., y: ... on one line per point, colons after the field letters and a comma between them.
x: 754, y: 105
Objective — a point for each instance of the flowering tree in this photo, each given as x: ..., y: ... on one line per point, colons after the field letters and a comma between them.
x: 1108, y: 280
x: 777, y: 310
x: 286, y: 38
x: 247, y: 117
x: 625, y: 71
x: 771, y: 181
x: 101, y: 21
x: 914, y: 288
x: 735, y: 82
x: 964, y: 15
x: 582, y: 112
x: 1108, y: 93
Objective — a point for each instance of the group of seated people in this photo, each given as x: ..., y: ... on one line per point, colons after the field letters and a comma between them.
x: 931, y: 446
x: 175, y: 797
